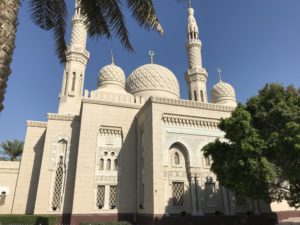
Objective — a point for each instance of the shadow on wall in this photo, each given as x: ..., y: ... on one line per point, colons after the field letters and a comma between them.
x: 35, y: 174
x: 178, y: 213
x: 70, y: 178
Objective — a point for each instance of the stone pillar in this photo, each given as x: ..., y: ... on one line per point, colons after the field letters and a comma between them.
x: 193, y: 196
x: 198, y: 193
x: 231, y: 202
x: 255, y: 207
x: 106, y: 197
x: 226, y: 201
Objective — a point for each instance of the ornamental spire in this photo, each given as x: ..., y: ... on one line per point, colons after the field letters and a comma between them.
x: 112, y: 57
x: 220, y: 74
x: 192, y: 29
x: 151, y: 53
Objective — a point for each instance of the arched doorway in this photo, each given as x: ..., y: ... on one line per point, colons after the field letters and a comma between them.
x: 178, y: 191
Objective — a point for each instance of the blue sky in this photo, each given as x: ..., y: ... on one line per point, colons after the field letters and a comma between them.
x: 253, y: 42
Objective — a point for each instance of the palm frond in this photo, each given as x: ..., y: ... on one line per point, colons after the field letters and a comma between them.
x: 41, y: 13
x: 12, y: 148
x: 51, y: 15
x: 94, y: 19
x: 59, y: 29
x: 144, y: 13
x: 104, y: 16
x: 112, y: 12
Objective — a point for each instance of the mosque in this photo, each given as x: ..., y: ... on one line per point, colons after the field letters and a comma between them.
x: 129, y: 150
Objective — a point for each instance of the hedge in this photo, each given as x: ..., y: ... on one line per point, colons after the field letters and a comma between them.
x: 23, y: 219
x: 108, y: 223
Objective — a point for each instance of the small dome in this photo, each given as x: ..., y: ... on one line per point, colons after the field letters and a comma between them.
x: 111, y: 74
x: 223, y: 93
x: 153, y: 80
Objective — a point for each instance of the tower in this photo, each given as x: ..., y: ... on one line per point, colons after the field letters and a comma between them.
x: 196, y: 76
x: 74, y: 72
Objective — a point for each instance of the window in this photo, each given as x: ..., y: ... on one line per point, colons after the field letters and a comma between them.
x: 240, y: 200
x: 201, y: 96
x: 80, y: 85
x: 2, y: 198
x: 177, y: 193
x: 58, y: 185
x: 62, y: 146
x: 66, y: 85
x: 108, y: 164
x: 73, y: 81
x: 100, y: 196
x: 115, y: 164
x: 101, y: 164
x: 176, y: 159
x: 113, y: 197
x: 207, y: 161
x: 195, y: 96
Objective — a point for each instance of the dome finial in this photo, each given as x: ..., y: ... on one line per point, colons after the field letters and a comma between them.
x: 151, y: 53
x: 220, y: 74
x: 112, y: 57
x: 190, y: 3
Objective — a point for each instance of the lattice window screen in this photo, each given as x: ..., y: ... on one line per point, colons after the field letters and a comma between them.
x: 58, y: 184
x: 177, y: 193
x: 100, y: 196
x: 240, y: 200
x: 2, y: 198
x: 113, y: 197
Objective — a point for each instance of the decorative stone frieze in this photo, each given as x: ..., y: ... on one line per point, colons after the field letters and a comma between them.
x: 189, y: 121
x: 31, y: 123
x: 111, y: 130
x: 52, y: 116
x: 192, y: 104
x: 99, y: 100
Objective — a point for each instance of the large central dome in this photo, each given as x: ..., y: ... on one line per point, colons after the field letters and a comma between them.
x: 153, y: 80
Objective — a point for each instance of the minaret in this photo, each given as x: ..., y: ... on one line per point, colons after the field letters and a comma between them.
x: 74, y: 72
x: 196, y: 76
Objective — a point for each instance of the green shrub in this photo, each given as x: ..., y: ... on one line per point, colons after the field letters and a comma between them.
x: 36, y: 220
x: 108, y: 223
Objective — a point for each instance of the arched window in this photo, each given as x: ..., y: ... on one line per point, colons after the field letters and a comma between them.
x: 176, y: 159
x: 80, y: 85
x: 66, y: 85
x: 115, y: 164
x: 108, y: 164
x: 101, y: 164
x: 207, y: 161
x: 58, y: 184
x: 73, y: 81
x: 195, y: 96
x: 201, y: 96
x: 62, y: 146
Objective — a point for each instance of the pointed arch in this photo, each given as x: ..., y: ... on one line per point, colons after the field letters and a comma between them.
x: 180, y: 146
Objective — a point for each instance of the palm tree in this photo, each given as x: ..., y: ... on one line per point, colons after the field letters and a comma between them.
x: 13, y: 148
x: 8, y: 26
x: 102, y: 17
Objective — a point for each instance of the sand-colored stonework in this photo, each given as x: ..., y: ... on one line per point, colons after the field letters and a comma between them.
x: 130, y: 147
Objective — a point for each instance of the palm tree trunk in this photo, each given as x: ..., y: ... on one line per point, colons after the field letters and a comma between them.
x: 8, y: 27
